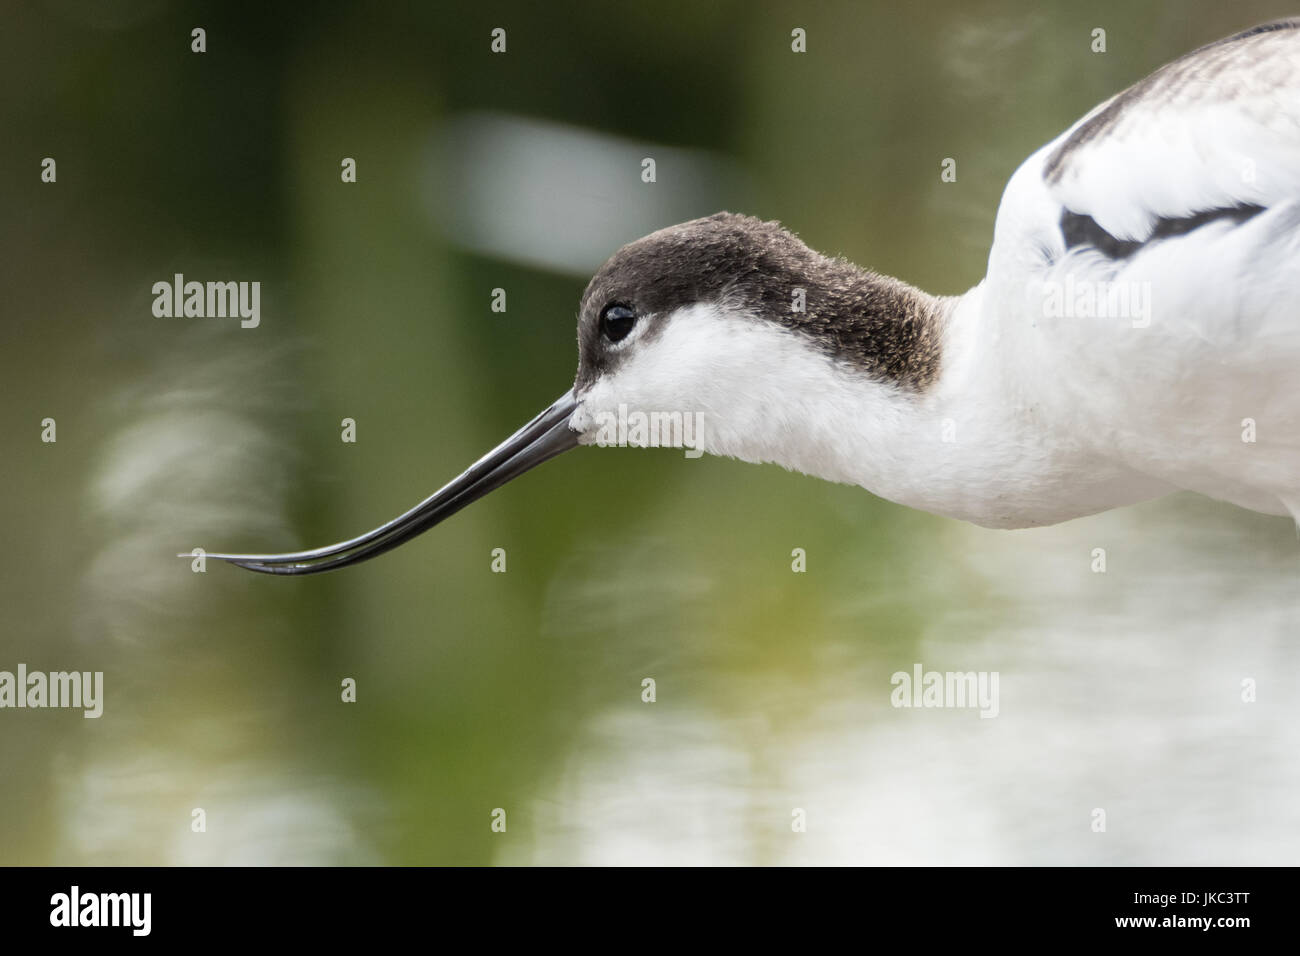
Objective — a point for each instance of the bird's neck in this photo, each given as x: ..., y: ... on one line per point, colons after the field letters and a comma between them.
x: 972, y: 439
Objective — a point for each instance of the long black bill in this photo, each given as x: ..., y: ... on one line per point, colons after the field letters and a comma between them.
x: 540, y: 440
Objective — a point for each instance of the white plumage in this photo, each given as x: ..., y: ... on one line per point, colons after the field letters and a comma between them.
x: 1218, y: 364
x: 1049, y: 408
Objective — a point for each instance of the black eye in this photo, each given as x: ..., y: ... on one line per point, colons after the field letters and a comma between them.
x: 616, y: 322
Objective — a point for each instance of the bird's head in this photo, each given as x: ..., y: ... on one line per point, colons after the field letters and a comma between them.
x: 675, y: 327
x: 722, y: 335
x: 735, y: 326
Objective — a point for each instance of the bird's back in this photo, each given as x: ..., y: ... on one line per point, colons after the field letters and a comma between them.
x: 1146, y: 267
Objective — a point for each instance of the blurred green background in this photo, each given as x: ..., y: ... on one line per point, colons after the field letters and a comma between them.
x: 522, y: 690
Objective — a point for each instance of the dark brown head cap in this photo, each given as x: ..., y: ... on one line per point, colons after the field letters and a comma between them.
x: 870, y: 322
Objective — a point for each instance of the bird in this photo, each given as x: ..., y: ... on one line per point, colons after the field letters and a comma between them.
x: 1136, y: 332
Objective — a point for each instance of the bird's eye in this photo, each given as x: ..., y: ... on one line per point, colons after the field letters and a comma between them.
x: 616, y: 322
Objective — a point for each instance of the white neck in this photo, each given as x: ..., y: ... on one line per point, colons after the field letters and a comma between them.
x: 972, y: 445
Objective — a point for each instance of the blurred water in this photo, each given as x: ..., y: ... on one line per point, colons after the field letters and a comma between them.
x: 1120, y: 690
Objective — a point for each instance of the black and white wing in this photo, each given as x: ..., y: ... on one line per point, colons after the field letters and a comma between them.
x: 1153, y: 250
x: 1214, y: 135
